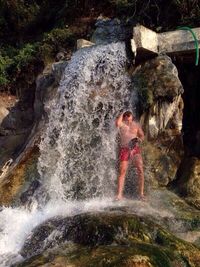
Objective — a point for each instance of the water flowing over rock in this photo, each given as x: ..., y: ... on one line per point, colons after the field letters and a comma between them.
x: 142, y: 239
x: 78, y: 156
x: 78, y: 149
x: 110, y: 30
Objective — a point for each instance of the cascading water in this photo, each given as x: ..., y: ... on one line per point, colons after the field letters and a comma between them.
x: 78, y: 149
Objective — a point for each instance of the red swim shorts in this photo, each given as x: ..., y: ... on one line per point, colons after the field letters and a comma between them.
x: 125, y: 153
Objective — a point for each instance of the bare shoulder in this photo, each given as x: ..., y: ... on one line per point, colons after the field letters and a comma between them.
x: 136, y: 125
x: 121, y: 124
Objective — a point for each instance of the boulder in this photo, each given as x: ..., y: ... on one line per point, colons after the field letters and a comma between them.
x: 160, y: 107
x: 110, y: 30
x: 187, y: 183
x: 20, y: 132
x: 83, y: 43
x: 108, y: 239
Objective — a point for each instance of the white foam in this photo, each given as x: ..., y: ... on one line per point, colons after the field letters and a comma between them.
x: 16, y: 224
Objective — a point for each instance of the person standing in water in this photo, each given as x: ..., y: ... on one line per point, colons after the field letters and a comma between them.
x: 131, y: 134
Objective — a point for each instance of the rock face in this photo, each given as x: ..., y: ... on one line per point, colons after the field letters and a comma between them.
x: 188, y: 180
x: 19, y: 178
x: 171, y: 42
x: 161, y: 108
x: 20, y: 135
x: 15, y: 124
x: 110, y: 30
x: 110, y: 239
x: 83, y: 43
x: 159, y: 90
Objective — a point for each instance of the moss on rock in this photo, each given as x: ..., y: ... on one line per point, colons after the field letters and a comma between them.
x: 109, y: 239
x: 23, y: 173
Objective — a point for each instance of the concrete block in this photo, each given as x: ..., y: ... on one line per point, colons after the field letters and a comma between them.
x: 172, y: 42
x: 145, y: 39
x: 83, y: 43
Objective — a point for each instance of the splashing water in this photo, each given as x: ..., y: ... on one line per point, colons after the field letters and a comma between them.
x: 17, y: 223
x: 78, y: 150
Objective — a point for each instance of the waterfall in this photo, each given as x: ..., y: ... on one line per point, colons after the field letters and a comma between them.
x: 78, y: 147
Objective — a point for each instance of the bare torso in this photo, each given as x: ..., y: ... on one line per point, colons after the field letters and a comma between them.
x: 128, y: 132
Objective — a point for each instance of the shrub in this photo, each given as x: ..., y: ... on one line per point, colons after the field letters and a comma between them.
x: 5, y: 63
x: 55, y: 41
x: 58, y: 38
x: 25, y: 56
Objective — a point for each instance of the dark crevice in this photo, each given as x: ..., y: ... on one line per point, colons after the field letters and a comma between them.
x: 189, y: 75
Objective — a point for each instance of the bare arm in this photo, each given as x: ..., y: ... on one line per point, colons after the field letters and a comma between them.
x: 140, y: 133
x: 118, y: 121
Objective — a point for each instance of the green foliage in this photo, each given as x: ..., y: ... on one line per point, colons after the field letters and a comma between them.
x: 13, y: 60
x: 54, y: 41
x: 189, y: 11
x: 5, y: 63
x: 25, y: 56
x: 36, y: 29
x: 58, y: 37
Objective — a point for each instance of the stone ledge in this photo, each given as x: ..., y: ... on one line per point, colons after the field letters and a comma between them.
x: 178, y: 41
x: 84, y: 43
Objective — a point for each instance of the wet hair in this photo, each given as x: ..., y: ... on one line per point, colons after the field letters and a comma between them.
x: 127, y: 114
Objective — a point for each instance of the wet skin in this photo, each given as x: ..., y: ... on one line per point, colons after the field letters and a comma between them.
x: 128, y: 130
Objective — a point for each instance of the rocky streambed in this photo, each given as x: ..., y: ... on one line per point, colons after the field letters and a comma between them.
x: 127, y: 233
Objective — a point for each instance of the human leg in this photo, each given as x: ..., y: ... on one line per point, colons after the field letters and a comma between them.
x: 121, y: 178
x: 138, y: 162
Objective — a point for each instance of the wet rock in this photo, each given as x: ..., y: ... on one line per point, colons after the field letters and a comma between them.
x: 15, y: 126
x: 110, y: 30
x: 188, y: 180
x: 161, y: 108
x: 42, y: 84
x: 132, y: 239
x: 19, y: 178
x: 58, y: 70
x: 25, y: 196
x: 60, y: 56
x: 113, y: 256
x: 162, y: 158
x: 83, y: 43
x: 20, y: 132
x: 159, y: 90
x: 47, y: 85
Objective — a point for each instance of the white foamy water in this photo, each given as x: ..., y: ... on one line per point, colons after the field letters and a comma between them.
x: 16, y: 223
x: 78, y: 148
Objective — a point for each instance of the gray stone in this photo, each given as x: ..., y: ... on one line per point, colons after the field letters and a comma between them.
x: 84, y: 43
x: 145, y: 39
x: 110, y: 30
x: 188, y: 180
x: 58, y: 70
x: 161, y: 108
x: 159, y: 90
x: 178, y: 41
x: 117, y: 227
